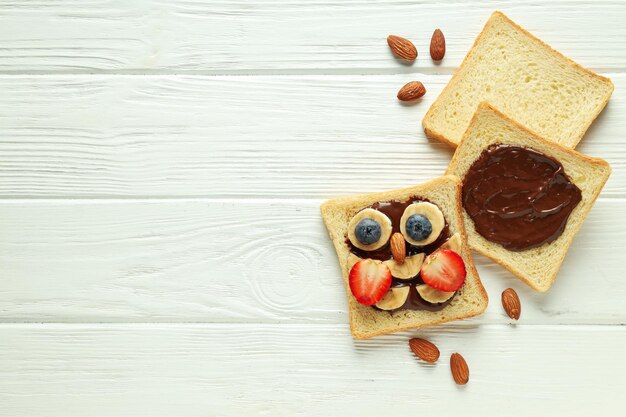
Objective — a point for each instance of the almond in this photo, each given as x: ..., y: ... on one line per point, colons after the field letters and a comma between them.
x: 437, y: 46
x: 424, y: 350
x: 411, y: 91
x: 511, y: 303
x: 402, y: 48
x: 459, y: 369
x: 398, y: 247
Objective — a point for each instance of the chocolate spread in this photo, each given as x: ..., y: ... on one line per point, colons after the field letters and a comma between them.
x: 518, y: 197
x: 394, y: 210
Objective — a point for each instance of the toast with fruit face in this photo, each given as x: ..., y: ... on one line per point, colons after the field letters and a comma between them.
x: 404, y: 258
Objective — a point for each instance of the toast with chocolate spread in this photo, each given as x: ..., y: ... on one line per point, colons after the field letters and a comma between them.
x: 404, y: 258
x: 524, y: 198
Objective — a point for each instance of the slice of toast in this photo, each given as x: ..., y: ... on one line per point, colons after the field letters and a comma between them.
x: 537, y: 266
x: 365, y: 321
x: 524, y: 78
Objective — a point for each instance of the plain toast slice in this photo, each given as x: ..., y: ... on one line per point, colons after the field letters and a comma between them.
x: 365, y: 321
x: 524, y: 78
x: 538, y: 266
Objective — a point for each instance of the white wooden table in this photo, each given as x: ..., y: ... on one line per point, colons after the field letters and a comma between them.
x: 161, y: 249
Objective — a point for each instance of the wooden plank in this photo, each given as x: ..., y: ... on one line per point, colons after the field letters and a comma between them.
x: 279, y: 369
x: 239, y: 35
x: 243, y: 261
x: 297, y: 136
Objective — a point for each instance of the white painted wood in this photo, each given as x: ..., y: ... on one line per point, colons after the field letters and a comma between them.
x: 183, y: 211
x: 243, y: 261
x: 296, y: 136
x: 285, y: 370
x: 287, y: 36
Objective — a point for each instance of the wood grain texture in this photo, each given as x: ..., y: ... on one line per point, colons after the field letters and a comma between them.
x: 246, y: 369
x: 161, y: 168
x: 243, y: 261
x: 284, y: 36
x: 296, y: 136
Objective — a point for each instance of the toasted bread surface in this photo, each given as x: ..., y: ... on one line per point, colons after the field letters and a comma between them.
x: 524, y: 78
x: 365, y: 321
x: 538, y: 266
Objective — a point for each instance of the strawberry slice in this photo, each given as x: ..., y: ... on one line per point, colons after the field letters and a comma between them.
x: 369, y: 281
x: 444, y: 270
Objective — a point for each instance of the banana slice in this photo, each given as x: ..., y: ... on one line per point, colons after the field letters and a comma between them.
x: 408, y: 269
x: 352, y: 259
x: 432, y: 213
x: 378, y: 217
x: 394, y: 298
x: 454, y: 243
x: 433, y: 295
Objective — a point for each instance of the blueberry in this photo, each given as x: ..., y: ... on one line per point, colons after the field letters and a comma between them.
x: 367, y: 231
x: 418, y: 227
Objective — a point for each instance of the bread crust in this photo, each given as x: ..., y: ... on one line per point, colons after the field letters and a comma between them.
x: 346, y: 206
x: 452, y: 170
x: 433, y: 134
